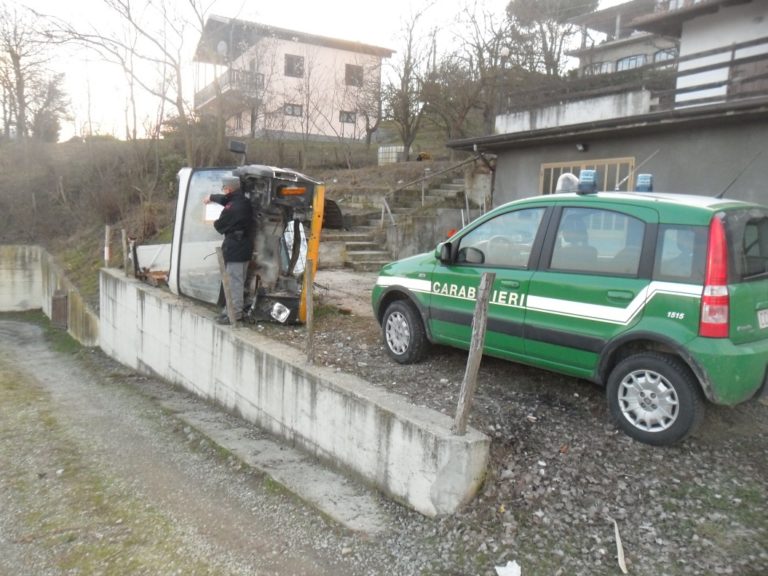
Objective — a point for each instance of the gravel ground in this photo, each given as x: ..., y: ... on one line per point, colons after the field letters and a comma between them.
x: 155, y: 499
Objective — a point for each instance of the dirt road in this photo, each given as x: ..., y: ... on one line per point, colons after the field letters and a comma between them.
x: 97, y: 479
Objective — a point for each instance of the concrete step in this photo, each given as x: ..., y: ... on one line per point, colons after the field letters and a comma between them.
x: 347, y: 236
x: 368, y: 266
x: 368, y: 245
x: 369, y: 256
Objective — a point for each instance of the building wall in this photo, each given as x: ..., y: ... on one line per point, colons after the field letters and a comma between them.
x: 322, y: 92
x: 701, y: 160
x: 576, y: 112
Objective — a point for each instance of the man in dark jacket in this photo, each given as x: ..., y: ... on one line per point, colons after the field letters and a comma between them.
x: 235, y: 223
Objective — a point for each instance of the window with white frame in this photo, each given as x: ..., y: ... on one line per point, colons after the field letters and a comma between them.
x: 347, y: 117
x: 290, y: 109
x: 613, y: 173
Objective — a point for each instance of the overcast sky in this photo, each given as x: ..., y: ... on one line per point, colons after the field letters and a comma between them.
x: 93, y: 86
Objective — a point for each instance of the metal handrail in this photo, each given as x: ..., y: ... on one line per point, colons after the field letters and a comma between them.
x: 385, y: 205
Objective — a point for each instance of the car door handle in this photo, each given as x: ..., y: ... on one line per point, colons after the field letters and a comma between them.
x: 510, y: 283
x: 620, y: 295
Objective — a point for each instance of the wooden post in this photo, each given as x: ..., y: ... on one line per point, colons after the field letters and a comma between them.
x: 309, y: 310
x: 469, y: 385
x: 227, y: 289
x: 125, y: 251
x: 107, y: 242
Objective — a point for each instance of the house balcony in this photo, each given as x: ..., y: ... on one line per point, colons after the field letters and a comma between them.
x: 234, y: 90
x: 721, y: 76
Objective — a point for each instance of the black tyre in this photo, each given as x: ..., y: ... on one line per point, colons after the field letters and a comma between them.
x: 655, y: 398
x: 404, y: 334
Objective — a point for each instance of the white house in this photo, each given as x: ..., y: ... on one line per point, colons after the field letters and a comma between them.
x: 273, y: 80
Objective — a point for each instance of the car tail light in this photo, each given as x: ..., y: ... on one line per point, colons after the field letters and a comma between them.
x: 715, y: 300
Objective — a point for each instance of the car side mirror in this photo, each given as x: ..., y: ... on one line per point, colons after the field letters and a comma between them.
x: 444, y: 252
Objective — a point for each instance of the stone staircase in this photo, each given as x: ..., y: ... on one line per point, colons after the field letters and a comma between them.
x: 364, y: 240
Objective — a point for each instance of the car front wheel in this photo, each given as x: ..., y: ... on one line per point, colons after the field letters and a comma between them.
x: 654, y: 398
x: 403, y: 331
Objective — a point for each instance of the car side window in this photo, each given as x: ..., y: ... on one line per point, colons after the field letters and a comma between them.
x: 681, y: 254
x: 598, y: 242
x: 503, y: 242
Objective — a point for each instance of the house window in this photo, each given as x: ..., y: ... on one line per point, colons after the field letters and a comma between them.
x: 630, y: 62
x: 294, y: 66
x: 346, y: 117
x: 598, y: 68
x: 613, y: 173
x: 353, y: 75
x: 239, y: 121
x: 292, y: 110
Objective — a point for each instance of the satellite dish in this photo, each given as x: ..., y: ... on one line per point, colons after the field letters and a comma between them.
x: 221, y: 48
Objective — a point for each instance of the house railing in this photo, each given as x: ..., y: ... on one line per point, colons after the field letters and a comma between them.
x: 738, y: 71
x: 243, y: 82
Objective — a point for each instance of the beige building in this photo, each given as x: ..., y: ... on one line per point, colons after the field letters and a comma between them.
x: 267, y: 80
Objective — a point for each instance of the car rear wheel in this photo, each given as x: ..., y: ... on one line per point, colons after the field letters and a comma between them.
x: 403, y: 331
x: 654, y: 398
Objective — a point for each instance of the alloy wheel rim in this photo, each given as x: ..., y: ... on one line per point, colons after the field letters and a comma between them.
x: 398, y: 333
x: 648, y: 401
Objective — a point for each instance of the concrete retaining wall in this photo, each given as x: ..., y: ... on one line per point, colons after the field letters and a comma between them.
x: 30, y: 280
x: 406, y: 452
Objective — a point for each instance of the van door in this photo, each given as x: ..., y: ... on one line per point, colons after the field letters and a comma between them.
x: 591, y: 285
x: 502, y: 245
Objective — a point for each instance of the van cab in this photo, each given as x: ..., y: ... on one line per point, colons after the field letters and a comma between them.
x: 661, y: 298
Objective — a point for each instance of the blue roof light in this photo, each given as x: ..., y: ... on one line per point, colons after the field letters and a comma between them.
x: 644, y: 183
x: 587, y: 182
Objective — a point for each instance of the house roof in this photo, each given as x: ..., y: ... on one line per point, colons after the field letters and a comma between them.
x: 670, y: 22
x: 228, y: 38
x: 752, y: 109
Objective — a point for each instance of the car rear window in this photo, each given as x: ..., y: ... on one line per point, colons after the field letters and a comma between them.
x: 747, y: 233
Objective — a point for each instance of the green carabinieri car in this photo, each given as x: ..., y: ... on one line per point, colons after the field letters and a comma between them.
x: 661, y: 298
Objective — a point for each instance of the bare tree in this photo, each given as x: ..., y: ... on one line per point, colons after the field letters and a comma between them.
x: 150, y: 39
x: 403, y: 96
x: 484, y: 55
x: 23, y: 62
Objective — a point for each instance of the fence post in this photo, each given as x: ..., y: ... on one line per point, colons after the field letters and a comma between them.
x: 309, y: 282
x: 479, y: 322
x: 124, y: 240
x: 107, y: 246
